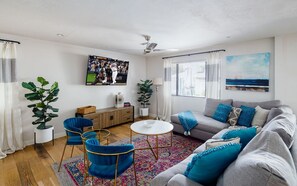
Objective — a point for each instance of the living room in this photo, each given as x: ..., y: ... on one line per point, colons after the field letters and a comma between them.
x: 56, y: 39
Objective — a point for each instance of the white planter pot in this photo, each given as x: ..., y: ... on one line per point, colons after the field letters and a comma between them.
x: 43, y: 135
x: 143, y: 111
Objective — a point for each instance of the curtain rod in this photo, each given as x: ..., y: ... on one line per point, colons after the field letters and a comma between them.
x: 191, y: 54
x: 12, y: 41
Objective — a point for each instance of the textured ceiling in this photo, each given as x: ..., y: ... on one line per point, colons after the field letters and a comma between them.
x: 118, y: 25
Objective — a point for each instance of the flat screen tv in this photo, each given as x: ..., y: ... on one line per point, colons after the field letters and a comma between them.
x: 106, y: 71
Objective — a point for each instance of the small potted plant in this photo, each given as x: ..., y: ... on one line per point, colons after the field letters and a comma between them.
x: 145, y: 92
x: 42, y: 97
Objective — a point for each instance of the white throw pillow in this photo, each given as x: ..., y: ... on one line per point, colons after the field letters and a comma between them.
x: 260, y: 117
x: 220, y: 142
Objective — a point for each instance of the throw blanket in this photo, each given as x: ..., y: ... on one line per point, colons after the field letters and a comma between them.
x: 188, y: 121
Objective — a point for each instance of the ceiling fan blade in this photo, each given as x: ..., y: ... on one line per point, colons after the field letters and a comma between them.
x: 169, y: 50
x: 145, y: 43
x: 151, y: 46
x: 146, y: 37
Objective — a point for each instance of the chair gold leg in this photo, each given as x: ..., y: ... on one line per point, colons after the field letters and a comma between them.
x: 130, y: 136
x: 62, y: 156
x: 135, y: 173
x: 72, y: 151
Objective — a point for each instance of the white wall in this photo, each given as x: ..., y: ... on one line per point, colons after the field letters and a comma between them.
x: 155, y: 69
x: 286, y: 69
x: 67, y: 64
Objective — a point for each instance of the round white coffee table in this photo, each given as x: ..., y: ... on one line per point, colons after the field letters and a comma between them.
x: 152, y: 128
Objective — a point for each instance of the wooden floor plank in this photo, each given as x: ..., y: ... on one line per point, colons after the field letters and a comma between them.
x: 9, y: 172
x: 41, y: 160
x: 22, y: 160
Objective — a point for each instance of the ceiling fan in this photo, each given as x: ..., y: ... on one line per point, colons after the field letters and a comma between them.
x: 150, y: 47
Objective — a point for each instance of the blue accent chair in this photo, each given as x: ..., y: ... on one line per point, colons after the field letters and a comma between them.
x: 109, y: 162
x: 74, y: 129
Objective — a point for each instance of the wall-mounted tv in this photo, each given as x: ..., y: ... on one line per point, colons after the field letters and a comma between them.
x: 106, y: 71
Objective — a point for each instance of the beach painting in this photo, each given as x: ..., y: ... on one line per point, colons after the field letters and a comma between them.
x: 248, y: 72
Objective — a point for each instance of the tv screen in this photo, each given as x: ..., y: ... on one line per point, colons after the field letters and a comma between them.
x: 106, y: 71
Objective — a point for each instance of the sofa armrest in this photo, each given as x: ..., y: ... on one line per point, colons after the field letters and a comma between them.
x: 180, y: 179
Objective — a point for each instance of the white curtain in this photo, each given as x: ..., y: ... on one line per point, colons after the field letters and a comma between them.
x: 167, y: 90
x: 10, y: 112
x: 213, y: 75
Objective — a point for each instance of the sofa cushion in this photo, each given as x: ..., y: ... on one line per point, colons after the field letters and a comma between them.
x: 222, y: 112
x: 204, y: 123
x: 234, y: 115
x: 246, y: 116
x: 203, y: 146
x: 202, y: 168
x: 264, y: 161
x: 260, y: 117
x: 245, y: 135
x: 212, y: 104
x: 285, y: 126
x: 219, y: 142
x: 273, y: 113
x: 264, y: 104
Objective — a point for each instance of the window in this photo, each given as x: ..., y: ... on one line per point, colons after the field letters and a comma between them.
x: 188, y: 79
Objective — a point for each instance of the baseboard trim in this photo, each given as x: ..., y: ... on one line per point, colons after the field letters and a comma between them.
x: 57, y: 135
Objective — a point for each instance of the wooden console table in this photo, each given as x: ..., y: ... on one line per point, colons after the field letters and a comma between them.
x: 108, y: 117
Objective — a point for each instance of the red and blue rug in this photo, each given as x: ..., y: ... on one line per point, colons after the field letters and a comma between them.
x: 147, y: 167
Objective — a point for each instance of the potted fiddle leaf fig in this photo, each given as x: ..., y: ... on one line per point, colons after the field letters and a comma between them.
x: 145, y: 92
x: 43, y: 96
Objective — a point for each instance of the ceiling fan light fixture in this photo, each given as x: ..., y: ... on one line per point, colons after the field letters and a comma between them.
x: 145, y: 51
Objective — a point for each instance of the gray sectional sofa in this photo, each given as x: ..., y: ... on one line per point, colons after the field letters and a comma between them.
x: 270, y: 158
x: 207, y: 127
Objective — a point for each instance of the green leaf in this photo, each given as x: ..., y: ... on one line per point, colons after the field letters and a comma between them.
x: 31, y: 86
x: 53, y: 115
x: 53, y: 100
x: 54, y: 86
x: 40, y: 105
x: 42, y: 81
x: 48, y: 119
x: 55, y: 92
x: 41, y: 91
x: 41, y: 126
x: 53, y: 109
x: 38, y: 112
x: 32, y: 96
x: 32, y: 105
x: 49, y: 97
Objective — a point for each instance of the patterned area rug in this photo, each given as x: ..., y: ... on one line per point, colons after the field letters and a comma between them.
x: 147, y: 167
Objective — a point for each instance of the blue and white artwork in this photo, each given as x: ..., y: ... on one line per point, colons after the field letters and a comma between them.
x: 248, y: 72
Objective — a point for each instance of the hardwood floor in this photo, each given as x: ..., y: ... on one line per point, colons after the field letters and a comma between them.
x: 33, y: 166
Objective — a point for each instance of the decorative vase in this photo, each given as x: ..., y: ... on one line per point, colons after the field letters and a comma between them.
x: 119, y: 100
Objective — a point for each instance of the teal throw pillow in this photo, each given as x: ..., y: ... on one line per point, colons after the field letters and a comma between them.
x: 208, y: 165
x: 245, y: 135
x: 246, y: 116
x: 222, y: 112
